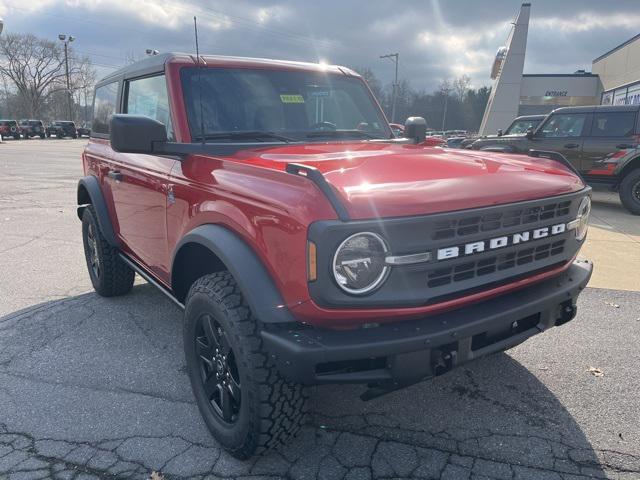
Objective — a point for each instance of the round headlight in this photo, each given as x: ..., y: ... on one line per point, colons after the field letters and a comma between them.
x: 359, y: 263
x: 583, y: 218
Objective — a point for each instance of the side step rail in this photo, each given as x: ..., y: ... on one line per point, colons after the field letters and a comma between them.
x: 143, y: 273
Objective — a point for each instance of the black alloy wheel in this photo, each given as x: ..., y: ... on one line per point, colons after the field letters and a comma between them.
x: 218, y: 369
x: 630, y: 191
x: 92, y: 253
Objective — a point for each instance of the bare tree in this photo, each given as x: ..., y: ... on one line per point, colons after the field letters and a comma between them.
x: 35, y: 67
x: 82, y: 86
x: 33, y: 71
x: 461, y: 86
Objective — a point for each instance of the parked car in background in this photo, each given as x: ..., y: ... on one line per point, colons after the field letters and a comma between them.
x: 455, y: 133
x: 9, y: 128
x: 601, y: 142
x: 32, y: 128
x: 84, y: 130
x: 519, y: 126
x: 61, y: 129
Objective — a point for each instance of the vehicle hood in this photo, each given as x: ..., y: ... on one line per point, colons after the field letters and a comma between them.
x: 391, y: 180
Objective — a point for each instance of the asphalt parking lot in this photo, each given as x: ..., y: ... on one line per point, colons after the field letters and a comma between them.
x: 93, y: 387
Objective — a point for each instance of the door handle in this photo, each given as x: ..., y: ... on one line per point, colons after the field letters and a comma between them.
x: 115, y: 175
x: 572, y: 145
x: 622, y: 146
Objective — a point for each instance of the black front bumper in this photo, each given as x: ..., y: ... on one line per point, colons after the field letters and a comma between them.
x: 406, y: 352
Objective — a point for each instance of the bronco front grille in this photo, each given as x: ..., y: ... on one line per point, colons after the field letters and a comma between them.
x: 497, y: 263
x: 488, y: 222
x: 438, y: 280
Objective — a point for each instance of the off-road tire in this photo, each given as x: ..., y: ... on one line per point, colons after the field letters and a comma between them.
x: 272, y: 409
x: 630, y: 191
x: 114, y: 276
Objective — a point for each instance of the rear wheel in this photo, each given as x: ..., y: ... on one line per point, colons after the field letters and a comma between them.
x: 630, y: 191
x: 110, y: 276
x: 245, y: 402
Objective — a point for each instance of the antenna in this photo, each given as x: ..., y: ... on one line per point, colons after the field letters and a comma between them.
x: 195, y: 28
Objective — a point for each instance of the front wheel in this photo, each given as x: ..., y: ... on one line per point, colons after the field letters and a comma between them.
x: 245, y: 402
x: 630, y: 191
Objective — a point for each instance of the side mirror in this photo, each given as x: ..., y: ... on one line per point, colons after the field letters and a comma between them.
x: 500, y: 132
x: 529, y: 133
x: 136, y: 134
x: 415, y: 128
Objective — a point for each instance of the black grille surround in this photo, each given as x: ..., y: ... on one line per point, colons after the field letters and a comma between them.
x: 431, y: 282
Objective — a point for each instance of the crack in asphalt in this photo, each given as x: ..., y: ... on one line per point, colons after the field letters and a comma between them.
x: 340, y: 446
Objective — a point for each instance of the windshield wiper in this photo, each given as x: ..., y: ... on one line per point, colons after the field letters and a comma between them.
x: 341, y: 133
x: 257, y: 135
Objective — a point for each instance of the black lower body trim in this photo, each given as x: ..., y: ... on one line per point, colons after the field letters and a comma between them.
x: 406, y: 352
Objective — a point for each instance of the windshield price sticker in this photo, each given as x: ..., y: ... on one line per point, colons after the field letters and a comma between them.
x: 292, y: 98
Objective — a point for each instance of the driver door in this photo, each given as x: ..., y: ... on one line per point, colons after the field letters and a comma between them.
x: 140, y: 183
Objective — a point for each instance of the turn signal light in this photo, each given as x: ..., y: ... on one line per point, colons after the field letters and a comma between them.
x: 312, y: 262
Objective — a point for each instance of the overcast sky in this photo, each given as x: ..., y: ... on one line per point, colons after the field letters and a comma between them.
x: 436, y: 39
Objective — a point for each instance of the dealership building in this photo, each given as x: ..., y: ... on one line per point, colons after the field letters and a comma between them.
x: 614, y: 80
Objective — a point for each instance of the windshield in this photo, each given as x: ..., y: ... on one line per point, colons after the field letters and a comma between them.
x: 273, y: 105
x: 521, y: 126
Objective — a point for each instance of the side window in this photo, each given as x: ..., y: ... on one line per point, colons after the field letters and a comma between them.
x: 563, y: 125
x: 613, y: 124
x: 148, y: 96
x: 104, y: 105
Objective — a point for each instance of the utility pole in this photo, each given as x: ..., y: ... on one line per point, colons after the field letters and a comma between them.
x: 394, y: 57
x: 63, y: 38
x: 446, y: 101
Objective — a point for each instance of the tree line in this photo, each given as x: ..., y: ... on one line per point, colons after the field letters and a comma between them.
x: 464, y: 105
x: 33, y: 82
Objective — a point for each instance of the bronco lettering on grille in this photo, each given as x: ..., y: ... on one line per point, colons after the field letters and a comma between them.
x: 500, y: 242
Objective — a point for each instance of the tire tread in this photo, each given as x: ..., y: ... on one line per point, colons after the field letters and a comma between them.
x: 282, y: 404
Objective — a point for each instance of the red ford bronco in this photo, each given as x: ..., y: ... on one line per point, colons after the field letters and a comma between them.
x: 307, y: 245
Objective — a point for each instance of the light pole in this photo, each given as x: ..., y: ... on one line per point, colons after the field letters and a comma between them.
x: 394, y: 57
x: 446, y: 101
x: 67, y: 39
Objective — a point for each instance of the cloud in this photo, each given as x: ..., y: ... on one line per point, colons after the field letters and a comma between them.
x: 587, y: 21
x: 436, y: 39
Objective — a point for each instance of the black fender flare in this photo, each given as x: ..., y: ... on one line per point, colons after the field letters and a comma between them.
x: 255, y: 282
x: 621, y: 168
x: 91, y: 185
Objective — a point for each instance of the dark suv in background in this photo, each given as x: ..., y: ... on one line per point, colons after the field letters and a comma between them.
x: 62, y: 129
x: 32, y: 128
x: 10, y: 128
x: 601, y: 142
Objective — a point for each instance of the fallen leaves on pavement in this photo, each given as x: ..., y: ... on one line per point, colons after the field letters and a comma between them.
x: 596, y: 372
